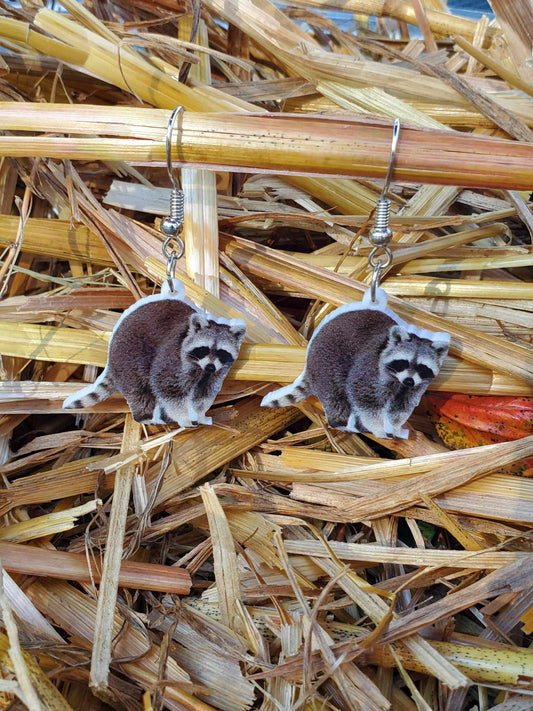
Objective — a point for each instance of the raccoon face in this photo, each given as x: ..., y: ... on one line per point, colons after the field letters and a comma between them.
x: 211, y: 346
x: 411, y: 360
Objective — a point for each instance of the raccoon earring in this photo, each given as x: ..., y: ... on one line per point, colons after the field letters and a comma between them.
x: 368, y: 367
x: 167, y: 358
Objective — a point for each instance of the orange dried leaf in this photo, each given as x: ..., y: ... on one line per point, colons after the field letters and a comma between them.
x: 464, y: 421
x: 508, y: 417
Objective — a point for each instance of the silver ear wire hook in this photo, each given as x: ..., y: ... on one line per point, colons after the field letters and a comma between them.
x: 171, y: 226
x: 381, y: 233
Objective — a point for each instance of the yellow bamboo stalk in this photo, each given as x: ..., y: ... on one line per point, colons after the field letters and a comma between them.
x: 306, y: 145
x: 480, y: 349
x: 200, y: 227
x: 458, y: 288
x: 117, y: 64
x: 46, y: 525
x: 261, y: 362
x: 508, y: 666
x: 200, y: 224
x: 107, y: 63
x: 441, y: 23
x: 55, y: 238
x: 41, y: 343
x: 488, y: 61
x: 432, y: 265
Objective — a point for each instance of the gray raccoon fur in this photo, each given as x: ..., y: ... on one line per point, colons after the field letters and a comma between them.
x: 168, y: 360
x: 368, y: 368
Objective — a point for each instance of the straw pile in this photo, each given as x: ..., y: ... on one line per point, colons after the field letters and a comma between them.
x: 267, y: 561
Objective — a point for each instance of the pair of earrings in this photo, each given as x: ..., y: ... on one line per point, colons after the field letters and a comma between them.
x: 368, y: 367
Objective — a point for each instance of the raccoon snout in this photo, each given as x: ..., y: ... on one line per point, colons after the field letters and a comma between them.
x: 408, y: 382
x: 210, y: 368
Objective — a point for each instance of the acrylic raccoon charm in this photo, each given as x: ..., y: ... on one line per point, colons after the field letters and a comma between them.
x: 368, y: 368
x: 168, y: 359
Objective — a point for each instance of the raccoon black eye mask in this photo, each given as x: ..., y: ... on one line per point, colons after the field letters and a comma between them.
x: 168, y: 360
x: 368, y: 368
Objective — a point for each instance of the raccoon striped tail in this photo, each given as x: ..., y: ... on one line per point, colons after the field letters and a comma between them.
x: 102, y: 388
x: 288, y: 395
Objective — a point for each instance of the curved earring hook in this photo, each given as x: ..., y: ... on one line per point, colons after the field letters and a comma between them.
x: 381, y: 233
x: 178, y: 111
x: 392, y: 157
x: 172, y: 224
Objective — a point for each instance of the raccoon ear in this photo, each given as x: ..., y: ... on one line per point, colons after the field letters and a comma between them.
x: 441, y: 347
x: 238, y: 329
x: 397, y: 334
x: 197, y: 322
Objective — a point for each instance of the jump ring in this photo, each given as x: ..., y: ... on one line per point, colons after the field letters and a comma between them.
x: 168, y: 252
x: 374, y: 260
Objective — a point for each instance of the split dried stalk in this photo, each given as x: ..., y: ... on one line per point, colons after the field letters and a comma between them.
x: 515, y: 20
x: 224, y: 561
x: 373, y: 553
x: 499, y: 69
x: 47, y: 525
x: 27, y: 691
x: 50, y: 699
x: 369, y: 599
x: 442, y: 479
x: 196, y: 457
x: 107, y: 595
x: 449, y: 480
x: 76, y: 612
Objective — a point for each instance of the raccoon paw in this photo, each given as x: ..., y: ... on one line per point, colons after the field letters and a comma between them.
x: 401, y: 433
x: 150, y: 421
x: 184, y: 422
x: 354, y: 425
x: 341, y: 425
x: 204, y: 420
x: 168, y: 413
